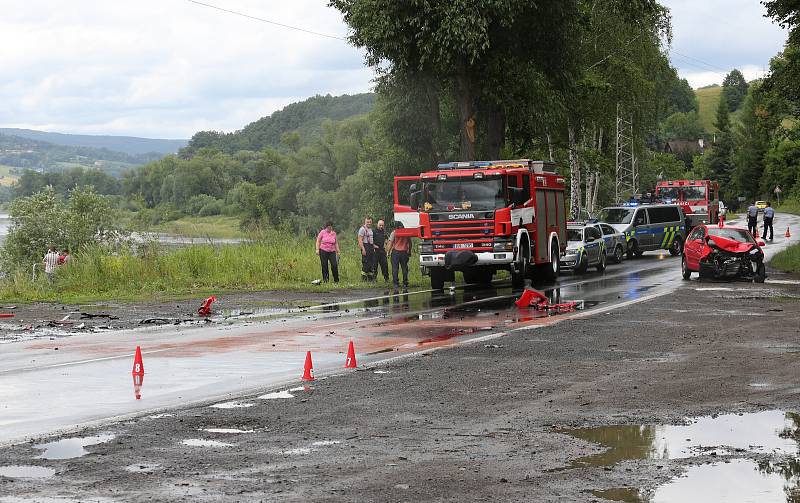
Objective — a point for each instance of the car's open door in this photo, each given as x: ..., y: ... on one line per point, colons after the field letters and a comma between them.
x: 407, y: 200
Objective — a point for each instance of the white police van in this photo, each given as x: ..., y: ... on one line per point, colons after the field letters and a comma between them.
x: 648, y: 227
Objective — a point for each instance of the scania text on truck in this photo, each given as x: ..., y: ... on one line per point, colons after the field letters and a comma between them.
x: 483, y: 216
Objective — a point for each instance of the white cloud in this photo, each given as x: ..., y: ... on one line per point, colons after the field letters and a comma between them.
x: 712, y: 37
x: 166, y: 68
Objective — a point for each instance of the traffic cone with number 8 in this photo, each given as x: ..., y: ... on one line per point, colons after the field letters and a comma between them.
x: 138, y: 365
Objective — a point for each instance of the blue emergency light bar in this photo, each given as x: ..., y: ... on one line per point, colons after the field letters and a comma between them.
x: 464, y: 165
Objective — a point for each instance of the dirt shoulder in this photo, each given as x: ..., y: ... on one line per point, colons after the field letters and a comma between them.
x: 474, y: 422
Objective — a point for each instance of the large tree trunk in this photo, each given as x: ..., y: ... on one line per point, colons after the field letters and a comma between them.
x: 465, y: 95
x: 432, y: 92
x: 574, y: 173
x: 496, y: 132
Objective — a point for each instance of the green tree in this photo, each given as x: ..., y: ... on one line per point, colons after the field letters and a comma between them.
x: 470, y: 45
x: 43, y: 220
x: 682, y: 126
x: 734, y: 89
x: 719, y: 163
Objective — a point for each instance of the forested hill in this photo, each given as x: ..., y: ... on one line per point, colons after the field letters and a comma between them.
x: 304, y: 118
x: 19, y: 152
x: 130, y: 145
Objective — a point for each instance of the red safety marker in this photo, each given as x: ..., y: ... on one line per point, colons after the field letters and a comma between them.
x: 6, y: 315
x: 205, y: 309
x: 138, y: 380
x: 350, y: 363
x: 788, y: 234
x: 529, y: 297
x: 138, y: 365
x: 308, y: 368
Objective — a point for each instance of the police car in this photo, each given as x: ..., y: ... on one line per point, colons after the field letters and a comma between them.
x: 585, y: 248
x: 648, y: 227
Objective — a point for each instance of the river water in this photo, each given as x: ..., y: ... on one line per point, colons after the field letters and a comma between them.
x: 5, y: 223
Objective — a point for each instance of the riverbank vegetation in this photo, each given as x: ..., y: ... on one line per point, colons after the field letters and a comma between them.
x: 273, y: 260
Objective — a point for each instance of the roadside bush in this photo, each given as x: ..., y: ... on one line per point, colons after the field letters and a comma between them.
x: 211, y: 208
x: 44, y: 219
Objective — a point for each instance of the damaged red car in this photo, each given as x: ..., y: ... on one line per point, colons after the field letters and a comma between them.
x: 723, y: 253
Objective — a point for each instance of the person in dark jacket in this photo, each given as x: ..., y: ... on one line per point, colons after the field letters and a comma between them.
x: 379, y: 237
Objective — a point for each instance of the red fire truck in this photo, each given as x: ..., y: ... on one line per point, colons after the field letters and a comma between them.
x: 483, y: 216
x: 699, y: 199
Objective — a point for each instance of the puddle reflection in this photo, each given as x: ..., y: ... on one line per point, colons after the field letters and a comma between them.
x: 69, y: 448
x: 772, y: 479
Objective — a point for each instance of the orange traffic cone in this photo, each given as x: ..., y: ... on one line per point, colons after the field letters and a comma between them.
x: 788, y: 234
x: 138, y: 365
x: 138, y: 380
x: 350, y: 363
x: 308, y: 368
x: 529, y: 296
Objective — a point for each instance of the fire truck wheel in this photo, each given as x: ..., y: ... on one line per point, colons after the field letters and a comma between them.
x: 618, y: 254
x: 478, y: 276
x: 676, y: 248
x: 437, y: 278
x: 518, y: 278
x: 549, y: 272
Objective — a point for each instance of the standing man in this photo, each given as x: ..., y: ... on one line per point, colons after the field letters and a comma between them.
x: 379, y: 235
x: 769, y: 215
x: 366, y: 242
x: 400, y: 250
x: 752, y: 219
x: 50, y: 262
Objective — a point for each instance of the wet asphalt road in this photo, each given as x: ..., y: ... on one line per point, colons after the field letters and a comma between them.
x: 60, y: 385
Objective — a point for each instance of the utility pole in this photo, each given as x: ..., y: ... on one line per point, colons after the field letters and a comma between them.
x: 627, y: 185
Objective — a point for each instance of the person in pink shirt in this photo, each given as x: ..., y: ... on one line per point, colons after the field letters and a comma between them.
x: 328, y: 251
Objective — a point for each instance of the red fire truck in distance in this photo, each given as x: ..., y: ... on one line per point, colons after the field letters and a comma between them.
x: 699, y: 199
x: 483, y: 216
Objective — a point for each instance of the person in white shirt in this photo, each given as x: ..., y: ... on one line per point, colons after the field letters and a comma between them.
x: 50, y: 262
x: 769, y: 216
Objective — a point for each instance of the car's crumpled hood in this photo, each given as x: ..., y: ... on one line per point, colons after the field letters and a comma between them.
x: 731, y: 245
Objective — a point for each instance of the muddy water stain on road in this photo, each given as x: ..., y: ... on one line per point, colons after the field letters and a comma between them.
x: 69, y: 448
x: 774, y: 435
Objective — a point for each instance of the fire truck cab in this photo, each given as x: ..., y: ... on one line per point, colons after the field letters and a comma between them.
x: 479, y: 217
x: 699, y: 199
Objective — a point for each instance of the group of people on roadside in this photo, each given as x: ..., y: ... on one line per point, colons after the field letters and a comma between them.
x: 752, y: 220
x: 374, y: 246
x: 52, y: 259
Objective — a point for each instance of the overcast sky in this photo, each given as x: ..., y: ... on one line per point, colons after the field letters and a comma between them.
x: 169, y: 68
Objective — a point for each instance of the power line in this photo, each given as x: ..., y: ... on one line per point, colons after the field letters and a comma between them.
x: 689, y: 63
x: 706, y: 63
x: 267, y: 21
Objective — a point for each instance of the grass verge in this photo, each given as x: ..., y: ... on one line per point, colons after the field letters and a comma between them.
x: 788, y: 260
x: 276, y: 261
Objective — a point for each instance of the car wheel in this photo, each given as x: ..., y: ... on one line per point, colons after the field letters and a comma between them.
x: 618, y: 254
x: 583, y: 265
x: 761, y: 273
x: 685, y: 268
x: 633, y: 249
x: 601, y: 266
x: 676, y: 248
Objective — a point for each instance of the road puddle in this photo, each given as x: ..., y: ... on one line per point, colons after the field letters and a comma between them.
x: 769, y: 432
x: 69, y: 448
x: 276, y: 395
x: 26, y: 472
x: 772, y: 436
x: 736, y: 481
x: 624, y: 494
x: 232, y: 405
x: 201, y: 442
